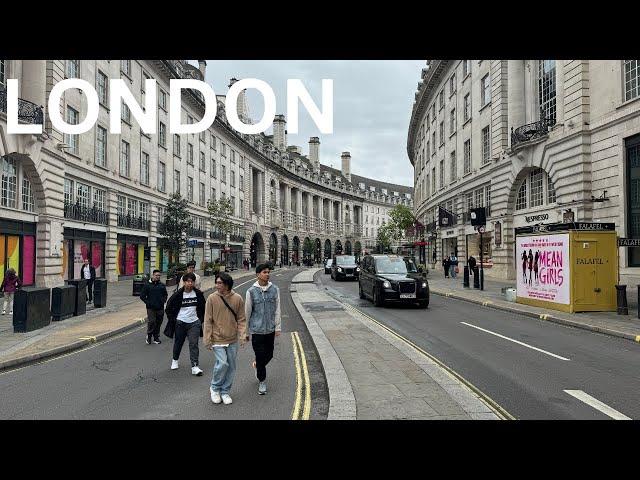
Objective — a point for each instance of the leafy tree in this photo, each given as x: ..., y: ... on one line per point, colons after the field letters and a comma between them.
x: 172, y: 229
x: 401, y: 220
x: 220, y: 212
x: 383, y: 239
x: 307, y: 247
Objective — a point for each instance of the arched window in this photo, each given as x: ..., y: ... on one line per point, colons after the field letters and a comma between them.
x: 540, y: 187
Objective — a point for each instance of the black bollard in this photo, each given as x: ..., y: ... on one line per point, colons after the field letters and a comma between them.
x: 622, y: 300
x: 476, y: 278
x: 466, y: 277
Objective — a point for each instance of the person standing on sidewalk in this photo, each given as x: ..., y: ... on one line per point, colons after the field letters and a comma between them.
x: 191, y: 268
x: 88, y: 273
x: 185, y: 309
x: 9, y: 286
x: 472, y: 264
x: 445, y: 266
x: 154, y: 296
x: 262, y: 309
x: 225, y: 326
x: 453, y: 261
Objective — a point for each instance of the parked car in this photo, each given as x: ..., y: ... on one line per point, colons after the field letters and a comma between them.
x: 344, y: 266
x: 327, y: 265
x: 384, y: 278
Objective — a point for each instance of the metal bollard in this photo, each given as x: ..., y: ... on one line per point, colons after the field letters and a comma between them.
x: 476, y: 278
x: 621, y: 299
x: 466, y: 277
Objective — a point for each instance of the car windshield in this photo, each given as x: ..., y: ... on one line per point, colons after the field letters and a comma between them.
x: 390, y: 265
x: 345, y: 260
x: 411, y: 266
x: 329, y: 262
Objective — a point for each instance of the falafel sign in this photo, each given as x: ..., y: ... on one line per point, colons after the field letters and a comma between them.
x: 543, y: 268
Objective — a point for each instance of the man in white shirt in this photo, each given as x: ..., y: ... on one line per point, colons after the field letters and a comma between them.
x: 88, y: 272
x: 191, y: 268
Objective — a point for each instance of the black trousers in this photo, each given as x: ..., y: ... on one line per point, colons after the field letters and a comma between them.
x: 154, y: 322
x: 263, y: 349
x: 192, y: 332
x: 90, y: 290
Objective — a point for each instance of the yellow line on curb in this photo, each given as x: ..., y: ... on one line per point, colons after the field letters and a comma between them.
x: 307, y: 385
x: 296, y: 405
x: 492, y: 403
x: 638, y: 339
x: 544, y: 316
x: 93, y: 339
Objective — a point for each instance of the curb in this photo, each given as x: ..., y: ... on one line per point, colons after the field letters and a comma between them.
x: 77, y: 345
x: 540, y: 316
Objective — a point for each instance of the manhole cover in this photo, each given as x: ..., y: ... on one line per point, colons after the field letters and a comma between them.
x: 322, y: 306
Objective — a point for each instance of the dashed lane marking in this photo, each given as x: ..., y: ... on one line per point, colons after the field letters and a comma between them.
x: 597, y: 404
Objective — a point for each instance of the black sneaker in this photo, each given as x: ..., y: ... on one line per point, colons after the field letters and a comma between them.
x: 157, y: 341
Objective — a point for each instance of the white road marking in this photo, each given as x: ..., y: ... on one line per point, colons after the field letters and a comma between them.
x: 516, y: 341
x: 597, y: 404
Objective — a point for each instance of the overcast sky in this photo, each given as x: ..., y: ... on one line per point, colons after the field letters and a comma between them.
x: 372, y: 105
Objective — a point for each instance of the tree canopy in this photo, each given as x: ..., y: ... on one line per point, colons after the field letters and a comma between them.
x: 172, y: 229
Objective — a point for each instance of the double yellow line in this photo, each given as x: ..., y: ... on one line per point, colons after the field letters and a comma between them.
x: 300, y: 411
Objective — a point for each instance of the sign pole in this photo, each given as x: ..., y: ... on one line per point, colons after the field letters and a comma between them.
x: 481, y: 266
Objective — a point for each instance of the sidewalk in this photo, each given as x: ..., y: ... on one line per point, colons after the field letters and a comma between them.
x: 372, y: 373
x: 123, y: 312
x: 610, y: 323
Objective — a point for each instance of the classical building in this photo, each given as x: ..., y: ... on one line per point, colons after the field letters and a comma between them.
x: 533, y: 141
x: 102, y: 196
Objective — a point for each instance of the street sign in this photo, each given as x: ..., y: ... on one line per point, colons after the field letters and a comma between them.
x: 192, y: 243
x: 628, y: 242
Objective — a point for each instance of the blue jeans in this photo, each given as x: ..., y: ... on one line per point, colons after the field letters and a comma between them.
x: 453, y: 271
x: 224, y: 371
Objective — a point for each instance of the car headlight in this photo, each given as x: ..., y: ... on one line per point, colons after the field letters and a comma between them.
x: 424, y: 284
x: 386, y: 284
x: 357, y: 269
x: 339, y: 269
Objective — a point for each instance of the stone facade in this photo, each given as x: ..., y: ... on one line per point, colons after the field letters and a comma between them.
x: 547, y: 139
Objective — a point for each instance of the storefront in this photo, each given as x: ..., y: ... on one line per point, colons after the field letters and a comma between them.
x: 80, y: 245
x: 196, y: 253
x: 162, y: 259
x: 132, y: 255
x: 234, y: 256
x: 473, y: 248
x: 18, y: 249
x: 449, y: 244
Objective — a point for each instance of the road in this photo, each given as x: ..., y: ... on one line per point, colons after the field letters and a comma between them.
x: 554, y: 372
x: 123, y: 378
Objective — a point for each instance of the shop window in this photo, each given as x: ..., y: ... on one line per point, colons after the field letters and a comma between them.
x: 535, y: 179
x: 521, y: 200
x: 27, y: 196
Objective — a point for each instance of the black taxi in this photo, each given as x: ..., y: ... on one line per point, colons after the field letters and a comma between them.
x: 384, y: 278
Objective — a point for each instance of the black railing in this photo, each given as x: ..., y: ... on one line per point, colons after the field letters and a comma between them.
x: 85, y: 214
x: 236, y: 238
x: 196, y: 232
x: 27, y: 111
x: 217, y: 235
x: 137, y: 223
x: 531, y: 131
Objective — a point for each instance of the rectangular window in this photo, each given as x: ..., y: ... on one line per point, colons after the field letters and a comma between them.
x: 27, y: 195
x: 189, y: 154
x: 73, y: 68
x: 467, y: 107
x: 452, y: 84
x: 176, y: 145
x: 241, y: 212
x: 144, y: 168
x: 433, y: 180
x: 68, y: 191
x: 485, y: 90
x: 162, y: 172
x: 487, y: 194
x: 213, y: 142
x: 144, y: 211
x: 441, y: 99
x: 213, y: 194
x: 213, y: 168
x: 201, y: 194
x: 521, y: 199
x: 145, y: 77
x: 101, y: 146
x: 101, y: 87
x: 479, y: 198
x: 433, y: 142
x: 232, y: 178
x: 441, y: 133
x: 467, y: 156
x: 631, y: 79
x: 535, y: 180
x: 441, y: 173
x: 551, y: 191
x: 223, y: 173
x: 72, y: 140
x: 433, y: 112
x: 241, y: 182
x: 233, y: 156
x: 469, y: 200
x: 203, y: 162
x: 98, y: 198
x: 190, y: 189
x: 125, y: 67
x: 203, y: 137
x: 547, y: 89
x: 452, y: 121
x: 223, y: 149
x: 124, y: 159
x: 241, y: 161
x: 486, y: 145
x: 162, y: 135
x: 122, y: 206
x: 176, y: 181
x: 233, y: 205
x: 125, y: 113
x: 162, y: 100
x: 132, y: 207
x: 454, y: 166
x: 466, y: 68
x: 428, y: 149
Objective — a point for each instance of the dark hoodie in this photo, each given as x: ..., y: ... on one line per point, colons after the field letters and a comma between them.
x: 10, y: 283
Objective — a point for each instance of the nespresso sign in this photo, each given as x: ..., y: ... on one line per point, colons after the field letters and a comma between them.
x: 537, y: 218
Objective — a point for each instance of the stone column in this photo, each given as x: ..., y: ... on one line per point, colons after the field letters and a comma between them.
x: 34, y: 81
x: 515, y: 94
x: 111, y: 247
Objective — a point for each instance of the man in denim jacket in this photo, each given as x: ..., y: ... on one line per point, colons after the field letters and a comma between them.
x: 262, y: 309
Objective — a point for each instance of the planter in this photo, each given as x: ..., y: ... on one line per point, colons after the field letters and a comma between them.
x: 208, y: 273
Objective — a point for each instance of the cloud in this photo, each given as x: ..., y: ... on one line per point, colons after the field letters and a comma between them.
x: 372, y: 107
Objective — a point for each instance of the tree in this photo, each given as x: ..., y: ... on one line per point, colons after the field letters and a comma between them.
x: 173, y: 228
x: 401, y: 220
x: 220, y: 212
x: 307, y: 248
x: 383, y: 239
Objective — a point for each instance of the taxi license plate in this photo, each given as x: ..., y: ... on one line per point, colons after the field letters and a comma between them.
x: 349, y: 274
x: 407, y: 295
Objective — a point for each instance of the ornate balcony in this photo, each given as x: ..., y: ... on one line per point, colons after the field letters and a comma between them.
x: 236, y: 238
x: 85, y: 214
x: 136, y: 223
x: 531, y: 131
x: 217, y: 235
x: 196, y: 232
x: 28, y: 112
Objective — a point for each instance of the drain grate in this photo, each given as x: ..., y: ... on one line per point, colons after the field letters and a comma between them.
x: 322, y: 306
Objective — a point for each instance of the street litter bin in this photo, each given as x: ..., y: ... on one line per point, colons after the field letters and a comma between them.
x: 80, y: 304
x: 63, y: 302
x: 138, y: 283
x: 31, y: 309
x: 100, y: 293
x: 510, y: 294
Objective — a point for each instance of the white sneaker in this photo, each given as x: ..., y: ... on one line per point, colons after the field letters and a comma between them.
x: 262, y: 388
x: 4, y: 312
x: 11, y: 312
x: 196, y: 371
x: 226, y: 399
x: 215, y: 396
x: 174, y: 364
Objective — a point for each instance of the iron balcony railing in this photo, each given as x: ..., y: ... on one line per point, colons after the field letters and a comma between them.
x: 196, y: 232
x: 531, y: 131
x: 236, y: 238
x: 28, y: 111
x: 217, y: 235
x: 85, y: 214
x: 136, y: 223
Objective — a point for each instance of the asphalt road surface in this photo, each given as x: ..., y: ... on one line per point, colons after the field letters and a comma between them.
x: 123, y: 378
x: 554, y: 372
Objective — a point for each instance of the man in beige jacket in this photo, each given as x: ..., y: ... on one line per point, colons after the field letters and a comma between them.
x: 225, y: 326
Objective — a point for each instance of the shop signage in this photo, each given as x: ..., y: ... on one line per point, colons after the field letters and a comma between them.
x: 192, y: 243
x: 498, y: 233
x: 537, y: 218
x: 629, y: 242
x: 556, y: 227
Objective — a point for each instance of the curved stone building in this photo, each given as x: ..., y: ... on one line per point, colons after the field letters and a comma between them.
x: 533, y: 141
x: 102, y: 196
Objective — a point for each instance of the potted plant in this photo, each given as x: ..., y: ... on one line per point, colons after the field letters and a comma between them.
x: 175, y: 272
x: 209, y: 269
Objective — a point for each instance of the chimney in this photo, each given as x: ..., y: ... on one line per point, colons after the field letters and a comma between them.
x: 202, y: 65
x: 346, y: 165
x: 314, y: 152
x: 243, y: 106
x: 279, y: 133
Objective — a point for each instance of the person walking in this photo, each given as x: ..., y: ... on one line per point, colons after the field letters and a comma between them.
x: 445, y: 266
x: 262, y: 310
x: 9, y: 285
x: 453, y: 261
x: 472, y: 264
x: 88, y: 272
x: 191, y: 268
x: 154, y: 296
x: 185, y: 311
x: 225, y: 326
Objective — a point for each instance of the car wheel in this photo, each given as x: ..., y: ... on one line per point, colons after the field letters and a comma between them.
x: 377, y: 301
x: 360, y: 290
